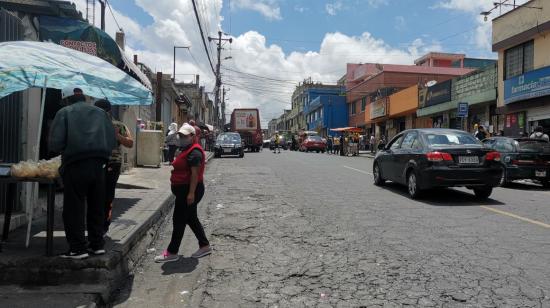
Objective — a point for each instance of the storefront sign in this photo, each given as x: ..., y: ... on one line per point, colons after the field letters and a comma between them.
x: 436, y: 94
x: 462, y: 111
x: 378, y: 109
x: 86, y: 47
x: 529, y: 85
x: 514, y: 124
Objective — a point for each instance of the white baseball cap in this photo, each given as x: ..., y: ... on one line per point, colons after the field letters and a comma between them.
x: 187, y: 129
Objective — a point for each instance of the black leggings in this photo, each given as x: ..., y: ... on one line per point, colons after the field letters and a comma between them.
x: 186, y: 214
x: 111, y: 179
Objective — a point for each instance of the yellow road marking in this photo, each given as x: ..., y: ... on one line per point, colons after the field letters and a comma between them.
x: 531, y: 221
x: 360, y: 171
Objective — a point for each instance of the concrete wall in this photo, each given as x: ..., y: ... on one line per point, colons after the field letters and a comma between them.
x: 520, y: 20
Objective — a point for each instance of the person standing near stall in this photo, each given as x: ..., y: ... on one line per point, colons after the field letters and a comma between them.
x: 123, y: 138
x: 188, y: 186
x: 172, y: 141
x: 85, y: 137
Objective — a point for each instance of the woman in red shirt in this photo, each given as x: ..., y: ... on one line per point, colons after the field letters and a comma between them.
x: 188, y: 187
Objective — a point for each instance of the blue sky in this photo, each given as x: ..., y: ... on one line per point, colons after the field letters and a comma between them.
x: 301, y: 25
x: 290, y: 40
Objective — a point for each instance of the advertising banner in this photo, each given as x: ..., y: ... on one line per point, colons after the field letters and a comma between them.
x: 246, y: 119
x: 529, y: 85
x: 378, y: 109
x: 436, y: 94
x: 80, y: 36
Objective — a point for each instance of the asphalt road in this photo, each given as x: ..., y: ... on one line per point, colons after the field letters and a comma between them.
x: 297, y: 229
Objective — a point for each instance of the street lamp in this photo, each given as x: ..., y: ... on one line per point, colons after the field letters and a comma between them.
x: 176, y: 47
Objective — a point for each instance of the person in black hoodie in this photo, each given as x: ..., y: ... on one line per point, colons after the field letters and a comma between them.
x: 85, y: 137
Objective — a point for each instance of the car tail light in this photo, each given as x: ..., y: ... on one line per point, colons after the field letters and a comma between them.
x: 439, y: 156
x: 522, y: 162
x: 492, y: 156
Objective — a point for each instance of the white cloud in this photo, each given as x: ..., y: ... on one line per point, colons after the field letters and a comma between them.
x: 400, y: 23
x: 472, y: 6
x: 268, y: 8
x: 174, y: 24
x: 480, y: 34
x: 333, y: 8
x: 378, y: 3
x: 301, y: 9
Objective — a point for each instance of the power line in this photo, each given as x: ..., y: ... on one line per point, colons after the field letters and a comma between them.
x: 112, y: 14
x: 202, y: 36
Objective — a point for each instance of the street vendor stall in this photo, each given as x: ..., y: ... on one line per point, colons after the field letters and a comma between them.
x: 352, y: 144
x: 26, y: 64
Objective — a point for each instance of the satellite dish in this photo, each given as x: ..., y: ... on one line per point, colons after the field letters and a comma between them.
x: 431, y: 83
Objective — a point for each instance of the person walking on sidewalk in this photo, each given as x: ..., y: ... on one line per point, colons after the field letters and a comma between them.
x: 329, y: 145
x: 123, y: 138
x: 188, y: 186
x: 372, y: 143
x: 85, y: 137
x: 172, y: 141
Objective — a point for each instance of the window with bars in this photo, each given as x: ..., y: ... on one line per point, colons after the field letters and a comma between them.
x: 519, y: 60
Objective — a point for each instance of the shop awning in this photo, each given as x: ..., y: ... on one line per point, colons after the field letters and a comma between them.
x: 135, y: 71
x: 347, y: 129
x: 82, y: 36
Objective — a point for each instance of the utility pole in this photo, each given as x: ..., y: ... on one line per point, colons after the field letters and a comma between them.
x: 223, y: 105
x: 219, y: 40
x: 102, y: 3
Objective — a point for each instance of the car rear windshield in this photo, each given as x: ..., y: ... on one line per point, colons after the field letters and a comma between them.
x: 315, y: 138
x: 229, y: 138
x: 533, y: 146
x: 450, y: 139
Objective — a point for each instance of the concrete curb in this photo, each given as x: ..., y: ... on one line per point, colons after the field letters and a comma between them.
x: 98, y: 277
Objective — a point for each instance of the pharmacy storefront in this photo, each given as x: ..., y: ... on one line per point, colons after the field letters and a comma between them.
x: 527, y: 98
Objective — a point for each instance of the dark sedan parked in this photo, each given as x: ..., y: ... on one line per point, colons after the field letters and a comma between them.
x: 432, y: 158
x: 522, y: 158
x: 229, y: 144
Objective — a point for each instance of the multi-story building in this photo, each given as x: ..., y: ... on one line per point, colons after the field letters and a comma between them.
x: 521, y: 39
x: 304, y: 93
x: 438, y: 105
x: 368, y: 87
x: 325, y: 108
x: 272, y: 127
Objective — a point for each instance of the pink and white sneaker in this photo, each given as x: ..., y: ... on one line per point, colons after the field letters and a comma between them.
x: 166, y: 257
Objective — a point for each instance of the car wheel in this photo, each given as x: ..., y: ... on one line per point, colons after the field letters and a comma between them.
x: 546, y: 184
x: 378, y: 180
x: 241, y: 155
x: 504, y: 178
x: 318, y: 151
x: 217, y: 155
x: 412, y: 185
x: 483, y: 193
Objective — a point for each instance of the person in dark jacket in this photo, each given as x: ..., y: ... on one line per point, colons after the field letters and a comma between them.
x: 481, y: 134
x: 188, y: 186
x: 123, y: 138
x: 85, y: 137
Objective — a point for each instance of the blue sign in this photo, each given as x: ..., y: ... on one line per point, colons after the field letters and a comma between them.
x: 529, y: 85
x: 462, y: 110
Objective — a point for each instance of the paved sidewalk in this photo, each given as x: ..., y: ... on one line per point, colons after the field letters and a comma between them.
x: 143, y: 199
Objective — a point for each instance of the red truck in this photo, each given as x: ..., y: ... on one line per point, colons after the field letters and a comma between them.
x: 246, y: 122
